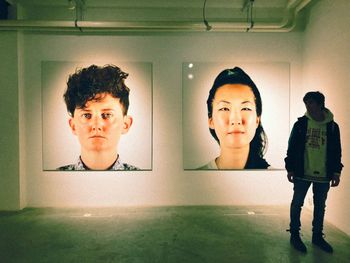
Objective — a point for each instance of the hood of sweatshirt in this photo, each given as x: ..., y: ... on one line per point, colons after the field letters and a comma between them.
x: 328, y: 116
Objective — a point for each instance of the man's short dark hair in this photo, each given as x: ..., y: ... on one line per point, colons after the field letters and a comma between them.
x: 85, y: 84
x: 316, y: 96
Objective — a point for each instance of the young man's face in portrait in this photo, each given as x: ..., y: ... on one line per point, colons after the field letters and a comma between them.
x: 100, y: 123
x: 234, y: 116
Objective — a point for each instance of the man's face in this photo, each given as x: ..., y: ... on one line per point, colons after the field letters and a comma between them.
x: 234, y: 117
x: 312, y: 107
x: 100, y: 123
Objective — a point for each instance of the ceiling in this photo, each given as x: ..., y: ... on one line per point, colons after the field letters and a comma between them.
x: 160, y: 15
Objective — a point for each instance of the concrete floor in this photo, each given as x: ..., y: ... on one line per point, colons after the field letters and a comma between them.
x: 161, y: 234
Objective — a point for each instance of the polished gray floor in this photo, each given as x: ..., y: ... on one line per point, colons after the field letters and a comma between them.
x: 160, y: 234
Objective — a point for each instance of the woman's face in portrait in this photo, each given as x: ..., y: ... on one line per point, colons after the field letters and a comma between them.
x: 234, y: 116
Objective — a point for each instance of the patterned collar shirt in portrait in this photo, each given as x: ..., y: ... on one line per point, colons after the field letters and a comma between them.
x: 118, y: 165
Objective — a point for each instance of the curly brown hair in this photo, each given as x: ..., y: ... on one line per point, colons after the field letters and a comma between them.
x: 86, y: 83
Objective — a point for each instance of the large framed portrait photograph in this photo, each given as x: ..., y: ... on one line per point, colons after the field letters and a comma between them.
x: 235, y: 115
x: 96, y: 116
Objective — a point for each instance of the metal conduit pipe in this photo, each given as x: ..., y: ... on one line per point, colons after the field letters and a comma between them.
x: 288, y: 24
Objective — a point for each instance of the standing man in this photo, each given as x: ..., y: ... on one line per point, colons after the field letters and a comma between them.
x: 313, y: 157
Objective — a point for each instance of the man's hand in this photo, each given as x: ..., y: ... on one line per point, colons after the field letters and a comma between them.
x: 290, y: 177
x: 335, y: 180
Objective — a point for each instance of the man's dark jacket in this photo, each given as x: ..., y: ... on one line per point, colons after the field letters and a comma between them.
x: 294, y: 162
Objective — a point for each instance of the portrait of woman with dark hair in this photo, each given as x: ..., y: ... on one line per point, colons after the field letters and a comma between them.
x: 234, y: 118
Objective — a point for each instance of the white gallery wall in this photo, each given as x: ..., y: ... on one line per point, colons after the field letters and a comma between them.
x: 9, y: 115
x: 326, y: 64
x: 311, y: 55
x: 167, y: 183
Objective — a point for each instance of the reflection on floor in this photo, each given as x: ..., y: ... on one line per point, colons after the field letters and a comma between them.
x: 161, y: 234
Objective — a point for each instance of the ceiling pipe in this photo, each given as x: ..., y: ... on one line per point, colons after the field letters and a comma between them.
x: 287, y: 25
x: 289, y: 21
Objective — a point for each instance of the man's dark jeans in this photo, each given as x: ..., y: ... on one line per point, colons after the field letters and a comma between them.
x: 320, y: 191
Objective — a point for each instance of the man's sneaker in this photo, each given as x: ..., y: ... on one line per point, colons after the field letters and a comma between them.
x: 318, y: 240
x: 297, y: 243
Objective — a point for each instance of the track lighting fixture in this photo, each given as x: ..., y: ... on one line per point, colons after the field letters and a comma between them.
x: 71, y: 4
x: 249, y: 4
x: 205, y: 21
